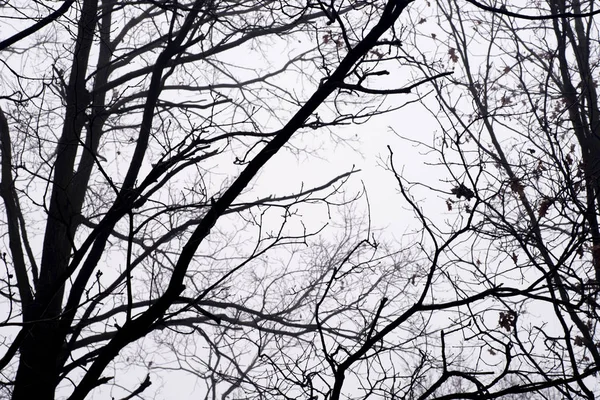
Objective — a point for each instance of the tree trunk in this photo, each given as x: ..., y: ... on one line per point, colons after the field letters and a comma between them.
x: 37, y: 375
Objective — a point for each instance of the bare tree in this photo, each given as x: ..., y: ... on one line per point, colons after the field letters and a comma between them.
x: 518, y: 147
x: 140, y: 240
x: 128, y: 130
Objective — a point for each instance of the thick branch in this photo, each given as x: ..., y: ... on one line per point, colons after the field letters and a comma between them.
x: 12, y: 216
x: 37, y: 26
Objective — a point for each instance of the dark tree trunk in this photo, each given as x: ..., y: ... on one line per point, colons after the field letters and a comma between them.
x: 39, y: 367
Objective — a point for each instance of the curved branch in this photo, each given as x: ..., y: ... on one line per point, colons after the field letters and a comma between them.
x: 37, y: 26
x: 502, y: 10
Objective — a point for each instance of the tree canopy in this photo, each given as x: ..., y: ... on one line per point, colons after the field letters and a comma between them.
x: 174, y: 217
